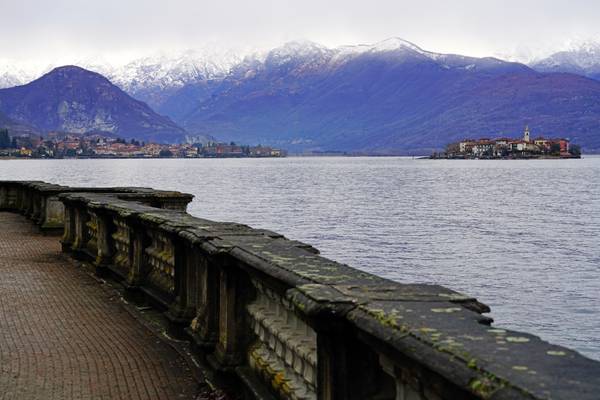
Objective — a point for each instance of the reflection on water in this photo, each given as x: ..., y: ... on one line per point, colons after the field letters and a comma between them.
x: 522, y: 236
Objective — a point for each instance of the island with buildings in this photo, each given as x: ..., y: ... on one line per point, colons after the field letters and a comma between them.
x: 100, y: 146
x: 511, y: 148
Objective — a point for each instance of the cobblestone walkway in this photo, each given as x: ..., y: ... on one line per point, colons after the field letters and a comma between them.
x: 62, y: 336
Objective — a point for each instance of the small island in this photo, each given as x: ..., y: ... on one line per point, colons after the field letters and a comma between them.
x: 510, y: 148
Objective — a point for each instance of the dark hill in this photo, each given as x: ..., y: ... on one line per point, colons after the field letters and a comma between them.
x: 72, y: 99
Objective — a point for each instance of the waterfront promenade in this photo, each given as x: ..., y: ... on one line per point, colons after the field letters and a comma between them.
x: 64, y: 335
x: 267, y: 316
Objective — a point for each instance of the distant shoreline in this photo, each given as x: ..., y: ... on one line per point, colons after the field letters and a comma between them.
x: 415, y: 157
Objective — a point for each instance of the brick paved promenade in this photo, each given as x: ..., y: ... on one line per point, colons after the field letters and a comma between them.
x: 62, y: 336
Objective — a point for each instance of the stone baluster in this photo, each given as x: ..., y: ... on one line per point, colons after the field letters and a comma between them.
x: 104, y: 242
x: 81, y: 231
x: 204, y: 327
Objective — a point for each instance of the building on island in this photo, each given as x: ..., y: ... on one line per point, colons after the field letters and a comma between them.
x: 504, y: 147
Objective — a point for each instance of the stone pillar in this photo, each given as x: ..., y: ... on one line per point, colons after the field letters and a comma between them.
x: 81, y: 231
x: 347, y: 368
x: 228, y: 352
x: 204, y: 327
x: 21, y: 198
x: 36, y: 206
x: 52, y: 219
x: 104, y: 243
x: 26, y: 201
x: 182, y: 310
x: 137, y: 244
x: 68, y: 237
x: 13, y: 197
x: 4, y: 197
x: 331, y: 366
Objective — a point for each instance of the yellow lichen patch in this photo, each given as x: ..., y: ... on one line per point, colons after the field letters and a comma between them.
x: 497, y: 331
x: 446, y: 310
x: 278, y: 379
x: 386, y: 319
x: 556, y: 353
x: 427, y: 330
x: 520, y: 368
x: 454, y: 296
x: 474, y: 338
x: 517, y: 339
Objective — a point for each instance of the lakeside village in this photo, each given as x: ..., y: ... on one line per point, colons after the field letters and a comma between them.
x: 99, y: 146
x: 511, y: 148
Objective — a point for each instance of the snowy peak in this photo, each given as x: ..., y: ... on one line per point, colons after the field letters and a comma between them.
x: 298, y: 52
x: 394, y: 44
x: 173, y: 70
x: 580, y: 58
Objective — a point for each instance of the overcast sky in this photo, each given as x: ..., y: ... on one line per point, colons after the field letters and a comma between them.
x: 120, y: 29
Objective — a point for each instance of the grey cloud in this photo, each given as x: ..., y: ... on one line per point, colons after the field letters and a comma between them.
x: 68, y: 28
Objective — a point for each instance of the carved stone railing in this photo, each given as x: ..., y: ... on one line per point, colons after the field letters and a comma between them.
x: 290, y: 324
x: 39, y: 200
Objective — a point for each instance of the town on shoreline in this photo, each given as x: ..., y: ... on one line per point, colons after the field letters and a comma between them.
x: 100, y: 146
x: 510, y: 148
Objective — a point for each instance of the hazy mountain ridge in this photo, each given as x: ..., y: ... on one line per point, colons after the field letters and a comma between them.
x: 72, y: 99
x: 582, y: 59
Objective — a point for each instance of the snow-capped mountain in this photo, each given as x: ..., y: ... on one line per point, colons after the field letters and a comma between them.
x: 582, y: 59
x: 150, y: 79
x: 15, y: 73
x: 153, y: 79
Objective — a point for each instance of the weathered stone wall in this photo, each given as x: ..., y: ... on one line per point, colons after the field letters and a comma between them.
x: 290, y: 324
x: 39, y: 200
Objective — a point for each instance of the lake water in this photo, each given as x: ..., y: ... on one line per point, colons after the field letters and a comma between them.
x: 521, y: 236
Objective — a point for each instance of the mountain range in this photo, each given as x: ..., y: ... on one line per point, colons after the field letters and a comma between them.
x: 391, y: 97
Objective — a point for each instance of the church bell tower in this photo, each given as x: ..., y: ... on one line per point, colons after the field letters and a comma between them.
x: 526, y: 134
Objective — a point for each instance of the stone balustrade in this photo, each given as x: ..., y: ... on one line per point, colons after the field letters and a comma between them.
x: 39, y: 200
x: 288, y: 323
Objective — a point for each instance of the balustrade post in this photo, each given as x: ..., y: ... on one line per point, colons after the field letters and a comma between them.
x: 81, y: 231
x: 229, y: 348
x: 68, y: 237
x: 26, y: 201
x: 36, y: 206
x: 204, y: 328
x: 104, y: 243
x: 347, y: 369
x: 137, y: 243
x: 4, y: 205
x: 181, y: 311
x: 53, y: 215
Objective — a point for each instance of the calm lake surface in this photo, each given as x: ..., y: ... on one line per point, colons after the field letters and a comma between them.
x: 521, y: 236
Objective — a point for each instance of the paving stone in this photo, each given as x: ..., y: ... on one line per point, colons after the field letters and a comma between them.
x: 62, y: 336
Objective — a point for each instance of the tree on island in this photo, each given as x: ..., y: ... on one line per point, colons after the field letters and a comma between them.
x: 5, y: 141
x: 165, y: 153
x: 575, y: 150
x: 555, y: 149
